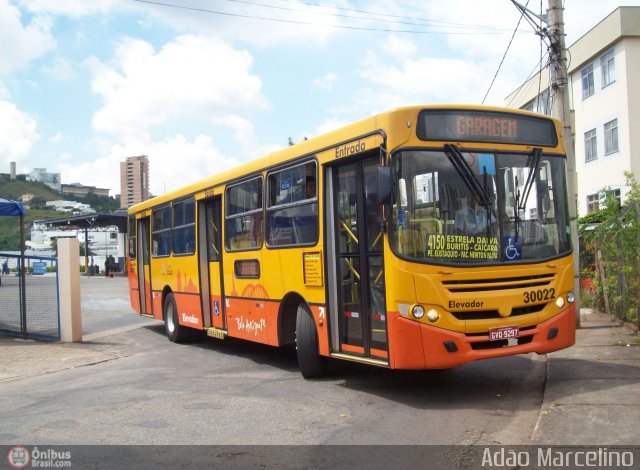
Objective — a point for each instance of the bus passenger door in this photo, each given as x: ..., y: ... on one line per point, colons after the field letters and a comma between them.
x: 355, y: 249
x: 210, y: 262
x: 144, y: 266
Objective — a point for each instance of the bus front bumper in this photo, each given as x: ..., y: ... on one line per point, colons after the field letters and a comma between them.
x: 437, y: 348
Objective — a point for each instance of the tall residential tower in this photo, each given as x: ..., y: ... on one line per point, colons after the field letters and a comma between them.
x: 134, y: 181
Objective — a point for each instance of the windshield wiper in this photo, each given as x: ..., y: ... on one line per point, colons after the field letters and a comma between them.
x: 533, y: 162
x: 464, y: 170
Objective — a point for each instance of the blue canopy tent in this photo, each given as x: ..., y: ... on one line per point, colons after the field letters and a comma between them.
x: 15, y: 209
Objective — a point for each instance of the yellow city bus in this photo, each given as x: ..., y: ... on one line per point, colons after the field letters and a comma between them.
x: 421, y: 238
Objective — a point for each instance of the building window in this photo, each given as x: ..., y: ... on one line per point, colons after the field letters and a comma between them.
x: 611, y: 193
x: 593, y: 203
x: 590, y: 146
x: 611, y: 137
x: 587, y: 81
x: 608, y: 65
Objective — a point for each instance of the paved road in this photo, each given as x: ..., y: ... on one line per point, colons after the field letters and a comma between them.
x: 105, y: 305
x: 133, y: 386
x: 137, y: 387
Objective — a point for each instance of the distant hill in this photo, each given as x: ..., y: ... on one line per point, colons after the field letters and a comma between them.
x: 42, y: 193
x: 14, y: 189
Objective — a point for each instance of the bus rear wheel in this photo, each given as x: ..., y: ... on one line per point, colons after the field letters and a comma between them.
x: 310, y: 362
x: 175, y: 331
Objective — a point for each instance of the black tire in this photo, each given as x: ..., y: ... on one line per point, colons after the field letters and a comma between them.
x: 175, y: 331
x: 310, y: 362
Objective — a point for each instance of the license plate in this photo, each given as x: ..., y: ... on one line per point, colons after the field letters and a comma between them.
x: 505, y: 332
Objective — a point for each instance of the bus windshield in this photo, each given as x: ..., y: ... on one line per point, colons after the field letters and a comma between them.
x: 453, y: 206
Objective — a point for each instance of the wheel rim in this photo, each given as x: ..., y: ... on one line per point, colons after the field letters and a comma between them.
x: 171, y: 326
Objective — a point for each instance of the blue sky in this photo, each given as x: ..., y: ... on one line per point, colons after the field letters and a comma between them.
x: 209, y: 84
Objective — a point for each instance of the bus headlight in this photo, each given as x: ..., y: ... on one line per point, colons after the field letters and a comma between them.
x: 433, y: 315
x: 417, y: 311
x: 560, y: 302
x: 570, y: 297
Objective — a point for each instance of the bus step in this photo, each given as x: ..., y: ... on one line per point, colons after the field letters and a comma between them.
x: 216, y: 333
x: 363, y: 360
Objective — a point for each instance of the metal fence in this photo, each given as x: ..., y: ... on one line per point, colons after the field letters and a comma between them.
x: 39, y: 295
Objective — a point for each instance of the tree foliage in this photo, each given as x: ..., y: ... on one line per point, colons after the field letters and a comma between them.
x: 610, y: 243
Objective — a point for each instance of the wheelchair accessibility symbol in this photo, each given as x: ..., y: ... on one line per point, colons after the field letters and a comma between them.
x: 512, y: 249
x: 216, y: 308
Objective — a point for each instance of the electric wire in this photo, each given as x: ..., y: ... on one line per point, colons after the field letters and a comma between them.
x: 388, y: 15
x: 308, y: 23
x: 516, y: 93
x: 505, y: 55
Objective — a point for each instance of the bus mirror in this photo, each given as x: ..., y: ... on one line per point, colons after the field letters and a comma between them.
x: 384, y: 185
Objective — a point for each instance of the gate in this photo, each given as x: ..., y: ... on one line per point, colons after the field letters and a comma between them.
x: 39, y: 295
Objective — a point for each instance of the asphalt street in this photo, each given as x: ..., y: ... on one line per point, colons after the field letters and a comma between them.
x: 127, y: 384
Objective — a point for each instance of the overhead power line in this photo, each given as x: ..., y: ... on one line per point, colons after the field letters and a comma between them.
x: 308, y: 23
x: 505, y: 55
x: 388, y: 15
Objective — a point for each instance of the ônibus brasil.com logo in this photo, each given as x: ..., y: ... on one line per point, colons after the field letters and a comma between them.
x: 21, y: 457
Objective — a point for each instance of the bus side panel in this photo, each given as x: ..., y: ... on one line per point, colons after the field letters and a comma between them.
x: 319, y: 314
x: 189, y: 309
x: 253, y: 320
x: 156, y: 297
x: 134, y: 292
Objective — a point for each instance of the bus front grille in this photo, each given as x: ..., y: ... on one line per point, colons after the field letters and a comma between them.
x: 503, y: 283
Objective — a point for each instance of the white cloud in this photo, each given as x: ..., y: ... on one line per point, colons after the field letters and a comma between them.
x: 60, y: 69
x: 421, y: 80
x: 242, y: 129
x: 327, y: 82
x: 20, y: 43
x: 330, y: 124
x: 173, y: 163
x: 56, y: 138
x: 4, y: 92
x: 17, y: 134
x: 189, y: 77
x: 401, y: 47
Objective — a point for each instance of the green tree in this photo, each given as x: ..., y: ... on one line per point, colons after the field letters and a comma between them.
x: 610, y: 242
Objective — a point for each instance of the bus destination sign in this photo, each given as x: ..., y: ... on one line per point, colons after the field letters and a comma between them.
x: 486, y: 126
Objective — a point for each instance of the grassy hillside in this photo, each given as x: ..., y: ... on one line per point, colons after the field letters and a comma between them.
x: 16, y: 188
x: 10, y: 227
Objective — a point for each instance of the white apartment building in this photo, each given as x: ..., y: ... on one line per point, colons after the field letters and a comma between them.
x: 604, y: 87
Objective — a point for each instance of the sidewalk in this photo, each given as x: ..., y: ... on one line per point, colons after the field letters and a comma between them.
x: 27, y: 358
x: 592, y: 393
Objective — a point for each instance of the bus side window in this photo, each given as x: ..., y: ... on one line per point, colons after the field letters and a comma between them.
x: 244, y: 227
x: 292, y: 212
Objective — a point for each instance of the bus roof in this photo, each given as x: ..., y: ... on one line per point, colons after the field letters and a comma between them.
x: 311, y: 146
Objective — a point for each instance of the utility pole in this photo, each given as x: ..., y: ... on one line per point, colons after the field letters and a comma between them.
x: 560, y: 109
x: 559, y: 90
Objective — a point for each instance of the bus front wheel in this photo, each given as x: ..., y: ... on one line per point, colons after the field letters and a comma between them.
x: 175, y: 331
x: 310, y: 362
